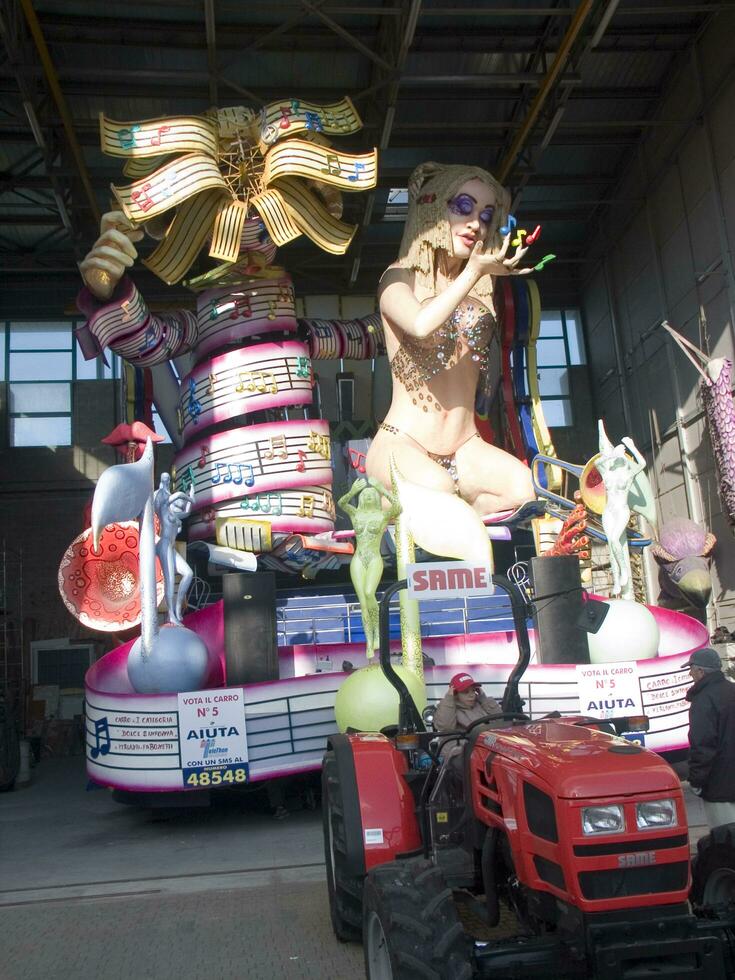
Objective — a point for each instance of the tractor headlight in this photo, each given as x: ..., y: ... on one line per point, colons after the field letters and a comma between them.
x: 603, y: 819
x: 657, y: 813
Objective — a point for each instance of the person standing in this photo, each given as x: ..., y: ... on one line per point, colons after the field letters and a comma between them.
x: 712, y: 736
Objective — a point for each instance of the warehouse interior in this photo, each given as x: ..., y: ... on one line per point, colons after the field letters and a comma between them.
x: 610, y: 121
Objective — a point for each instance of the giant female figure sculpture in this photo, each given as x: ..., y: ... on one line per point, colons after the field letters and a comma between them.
x: 437, y: 308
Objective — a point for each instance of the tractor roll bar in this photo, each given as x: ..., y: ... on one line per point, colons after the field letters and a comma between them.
x: 409, y: 717
x: 512, y: 701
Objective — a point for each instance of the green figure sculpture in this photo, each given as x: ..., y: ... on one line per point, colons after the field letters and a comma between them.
x: 369, y: 521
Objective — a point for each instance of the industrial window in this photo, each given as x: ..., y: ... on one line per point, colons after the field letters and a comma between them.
x: 40, y: 361
x: 560, y: 346
x: 60, y: 662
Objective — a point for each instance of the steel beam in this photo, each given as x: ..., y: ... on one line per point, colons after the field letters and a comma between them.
x: 60, y: 100
x: 554, y: 74
x: 211, y: 38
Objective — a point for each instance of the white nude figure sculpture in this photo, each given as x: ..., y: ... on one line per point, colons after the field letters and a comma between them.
x: 618, y: 471
x: 170, y: 658
x: 172, y: 508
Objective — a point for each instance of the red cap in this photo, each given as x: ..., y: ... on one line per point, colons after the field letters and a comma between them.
x: 462, y: 682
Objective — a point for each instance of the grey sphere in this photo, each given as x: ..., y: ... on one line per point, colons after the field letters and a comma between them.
x: 177, y: 662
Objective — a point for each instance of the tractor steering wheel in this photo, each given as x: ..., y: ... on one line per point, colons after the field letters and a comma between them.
x: 498, y: 715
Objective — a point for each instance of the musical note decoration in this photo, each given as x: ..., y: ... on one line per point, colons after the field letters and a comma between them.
x: 149, y: 340
x: 195, y: 406
x: 277, y: 448
x: 544, y: 261
x: 218, y: 165
x: 333, y: 167
x: 230, y: 472
x: 101, y: 738
x: 265, y: 503
x: 355, y: 176
x: 508, y: 228
x: 257, y: 381
x: 241, y: 308
x: 187, y: 480
x: 534, y: 236
x: 357, y: 460
x: 319, y: 444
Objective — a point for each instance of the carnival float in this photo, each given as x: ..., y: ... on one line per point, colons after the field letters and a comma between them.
x: 194, y: 702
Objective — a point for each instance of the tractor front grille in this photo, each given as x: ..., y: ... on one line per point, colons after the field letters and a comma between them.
x: 630, y: 847
x: 621, y: 882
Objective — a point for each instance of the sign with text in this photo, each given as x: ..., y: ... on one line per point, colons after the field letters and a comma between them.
x: 212, y: 737
x: 427, y: 580
x: 609, y: 690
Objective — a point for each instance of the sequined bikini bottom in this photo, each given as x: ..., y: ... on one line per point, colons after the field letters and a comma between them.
x: 447, y: 462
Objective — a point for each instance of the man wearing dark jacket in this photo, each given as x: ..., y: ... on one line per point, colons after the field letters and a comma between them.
x: 712, y: 736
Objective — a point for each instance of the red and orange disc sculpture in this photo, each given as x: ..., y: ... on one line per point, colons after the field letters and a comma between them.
x: 100, y: 588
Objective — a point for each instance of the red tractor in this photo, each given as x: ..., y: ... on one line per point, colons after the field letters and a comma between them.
x: 573, y: 833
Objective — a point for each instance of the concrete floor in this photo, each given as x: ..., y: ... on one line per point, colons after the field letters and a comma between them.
x: 92, y: 889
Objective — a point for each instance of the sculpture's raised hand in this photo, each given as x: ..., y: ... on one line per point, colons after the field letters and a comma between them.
x: 104, y: 265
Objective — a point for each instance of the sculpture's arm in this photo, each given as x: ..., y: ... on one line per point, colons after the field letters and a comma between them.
x: 344, y: 501
x: 639, y: 458
x: 117, y: 315
x: 395, y: 507
x: 180, y: 504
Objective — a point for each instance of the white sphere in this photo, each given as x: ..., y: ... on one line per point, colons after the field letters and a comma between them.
x: 629, y: 632
x: 179, y: 661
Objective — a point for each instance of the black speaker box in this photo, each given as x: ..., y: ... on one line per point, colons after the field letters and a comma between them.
x: 251, y: 645
x: 558, y: 604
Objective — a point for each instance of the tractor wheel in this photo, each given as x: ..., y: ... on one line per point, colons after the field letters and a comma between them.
x: 345, y: 890
x: 713, y: 870
x: 410, y: 929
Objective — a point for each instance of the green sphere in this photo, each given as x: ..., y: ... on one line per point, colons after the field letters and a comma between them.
x: 367, y: 701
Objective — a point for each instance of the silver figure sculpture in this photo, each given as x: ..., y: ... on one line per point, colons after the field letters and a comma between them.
x: 618, y: 471
x: 172, y: 658
x: 172, y: 508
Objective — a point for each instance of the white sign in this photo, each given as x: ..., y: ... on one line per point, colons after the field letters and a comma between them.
x: 212, y: 737
x: 609, y: 690
x: 426, y: 580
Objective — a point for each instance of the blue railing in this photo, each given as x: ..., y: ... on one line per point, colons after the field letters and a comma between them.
x: 333, y: 616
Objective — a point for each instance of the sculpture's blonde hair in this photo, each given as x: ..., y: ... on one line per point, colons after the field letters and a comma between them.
x: 430, y: 187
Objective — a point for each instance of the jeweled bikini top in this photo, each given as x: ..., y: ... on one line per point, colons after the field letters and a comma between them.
x: 468, y: 330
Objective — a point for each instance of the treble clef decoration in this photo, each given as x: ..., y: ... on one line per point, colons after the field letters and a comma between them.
x: 195, y: 406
